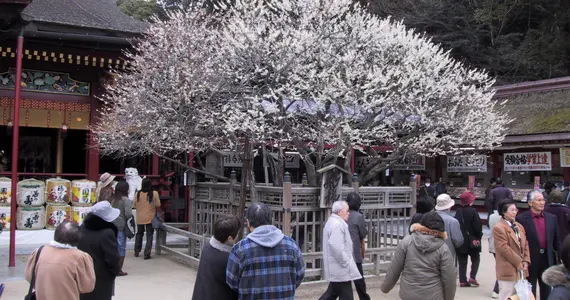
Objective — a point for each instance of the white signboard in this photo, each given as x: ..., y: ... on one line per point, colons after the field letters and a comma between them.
x: 528, y: 161
x: 468, y: 163
x: 565, y: 157
x: 411, y: 162
x: 232, y: 159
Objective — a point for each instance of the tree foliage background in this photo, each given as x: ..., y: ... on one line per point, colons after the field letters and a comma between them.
x: 515, y: 40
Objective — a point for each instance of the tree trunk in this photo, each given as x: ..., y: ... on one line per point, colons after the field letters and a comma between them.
x: 244, y: 180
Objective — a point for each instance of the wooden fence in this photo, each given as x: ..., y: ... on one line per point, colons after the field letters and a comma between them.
x: 387, y: 211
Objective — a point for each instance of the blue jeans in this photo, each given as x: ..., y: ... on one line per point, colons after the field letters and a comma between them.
x: 122, y: 243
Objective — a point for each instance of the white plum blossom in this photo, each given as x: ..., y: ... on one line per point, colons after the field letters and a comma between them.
x: 296, y: 71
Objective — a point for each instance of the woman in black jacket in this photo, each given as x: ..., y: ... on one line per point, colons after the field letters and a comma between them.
x: 472, y: 230
x: 423, y: 206
x: 558, y: 277
x: 99, y: 239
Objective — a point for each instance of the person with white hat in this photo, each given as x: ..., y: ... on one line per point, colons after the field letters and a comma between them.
x: 443, y: 206
x: 105, y: 187
x: 99, y: 239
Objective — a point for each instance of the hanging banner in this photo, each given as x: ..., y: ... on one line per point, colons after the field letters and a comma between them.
x: 471, y: 183
x: 411, y: 162
x: 468, y: 163
x: 528, y: 161
x: 565, y: 157
x: 292, y: 159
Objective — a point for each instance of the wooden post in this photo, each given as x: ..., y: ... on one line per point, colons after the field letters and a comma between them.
x: 233, y: 183
x: 287, y: 204
x: 159, y: 241
x: 244, y: 176
x: 59, y: 155
x: 413, y: 196
x: 355, y: 182
x: 92, y: 148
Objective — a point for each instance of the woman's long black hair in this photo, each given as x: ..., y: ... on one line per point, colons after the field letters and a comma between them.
x: 146, y: 187
x: 121, y: 190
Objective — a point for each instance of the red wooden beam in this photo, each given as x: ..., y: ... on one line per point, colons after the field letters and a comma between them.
x: 15, y: 143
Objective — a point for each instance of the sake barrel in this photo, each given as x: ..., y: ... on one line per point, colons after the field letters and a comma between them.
x: 83, y: 192
x: 5, y: 191
x: 30, y: 217
x: 5, y: 217
x: 79, y: 212
x: 58, y: 191
x: 56, y: 214
x: 31, y: 192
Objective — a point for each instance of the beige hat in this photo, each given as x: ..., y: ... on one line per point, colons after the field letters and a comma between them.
x: 106, y: 179
x: 444, y: 202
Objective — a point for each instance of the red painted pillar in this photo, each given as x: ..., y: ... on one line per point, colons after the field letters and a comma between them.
x: 15, y: 142
x: 353, y: 161
x: 92, y: 148
x: 496, y: 167
x: 566, y: 172
x: 155, y: 165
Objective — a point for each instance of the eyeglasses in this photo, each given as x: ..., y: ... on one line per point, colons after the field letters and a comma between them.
x: 513, y: 209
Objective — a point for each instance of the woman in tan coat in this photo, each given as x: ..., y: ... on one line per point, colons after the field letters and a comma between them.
x: 63, y: 272
x: 146, y: 203
x: 511, y: 248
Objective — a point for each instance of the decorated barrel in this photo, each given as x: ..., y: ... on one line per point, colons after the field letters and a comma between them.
x: 83, y: 192
x: 30, y: 218
x: 5, y: 191
x: 5, y: 217
x: 58, y: 191
x: 56, y: 214
x: 79, y: 212
x: 31, y: 192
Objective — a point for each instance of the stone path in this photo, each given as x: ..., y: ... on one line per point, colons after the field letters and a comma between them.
x: 160, y: 278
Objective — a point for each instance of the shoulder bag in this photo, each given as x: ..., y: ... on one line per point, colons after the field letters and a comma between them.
x: 474, y: 243
x: 156, y: 221
x: 32, y: 290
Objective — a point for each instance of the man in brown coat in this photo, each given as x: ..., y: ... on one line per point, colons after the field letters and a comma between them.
x: 511, y: 248
x: 62, y: 272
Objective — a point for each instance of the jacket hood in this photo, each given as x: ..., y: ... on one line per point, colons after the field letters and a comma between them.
x: 95, y: 223
x: 266, y: 236
x: 556, y: 276
x: 427, y: 240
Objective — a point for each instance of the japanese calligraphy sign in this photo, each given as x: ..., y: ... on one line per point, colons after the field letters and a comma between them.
x: 468, y: 163
x: 411, y: 162
x: 331, y: 188
x: 363, y: 162
x: 232, y: 159
x: 565, y: 157
x: 529, y: 161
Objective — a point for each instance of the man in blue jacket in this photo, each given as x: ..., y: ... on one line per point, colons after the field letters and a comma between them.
x: 266, y: 264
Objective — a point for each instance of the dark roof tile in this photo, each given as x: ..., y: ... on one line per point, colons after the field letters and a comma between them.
x: 97, y: 14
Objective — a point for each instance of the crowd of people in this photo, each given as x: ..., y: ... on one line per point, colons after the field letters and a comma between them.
x: 88, y: 258
x: 267, y: 264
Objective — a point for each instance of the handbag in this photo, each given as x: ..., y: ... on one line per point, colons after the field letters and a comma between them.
x: 156, y: 221
x: 32, y: 290
x: 473, y: 242
x: 130, y: 228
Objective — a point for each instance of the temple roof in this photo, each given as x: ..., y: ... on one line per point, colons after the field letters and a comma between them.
x: 96, y: 14
x: 539, y: 112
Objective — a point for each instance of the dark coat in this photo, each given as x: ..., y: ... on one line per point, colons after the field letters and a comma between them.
x: 497, y: 194
x: 99, y: 239
x: 210, y: 281
x: 427, y: 191
x: 566, y: 196
x: 469, y: 221
x: 559, y: 279
x: 562, y: 213
x: 552, y: 241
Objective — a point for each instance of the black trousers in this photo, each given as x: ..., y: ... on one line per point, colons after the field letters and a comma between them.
x: 496, y: 287
x: 462, y: 260
x: 360, y: 284
x: 340, y: 290
x: 535, y: 273
x: 141, y: 229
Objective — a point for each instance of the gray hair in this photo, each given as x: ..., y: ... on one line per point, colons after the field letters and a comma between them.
x: 338, y: 206
x: 258, y: 214
x: 532, y: 194
x: 67, y: 233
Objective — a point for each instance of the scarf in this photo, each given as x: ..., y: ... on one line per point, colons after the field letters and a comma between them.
x: 60, y: 245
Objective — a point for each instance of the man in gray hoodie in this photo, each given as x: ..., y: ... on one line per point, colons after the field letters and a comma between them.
x: 266, y: 264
